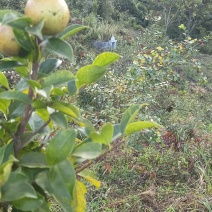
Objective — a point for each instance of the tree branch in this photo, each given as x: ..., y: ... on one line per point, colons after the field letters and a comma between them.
x: 34, y: 133
x: 27, y: 113
x: 89, y: 163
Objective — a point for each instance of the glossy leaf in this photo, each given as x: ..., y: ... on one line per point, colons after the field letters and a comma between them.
x: 60, y: 47
x: 36, y: 122
x: 4, y: 104
x: 4, y: 12
x: 36, y: 30
x: 16, y: 109
x: 89, y: 176
x: 43, y: 113
x: 65, y: 173
x: 15, y: 95
x: 29, y: 204
x: 86, y: 126
x: 60, y: 146
x: 58, y: 78
x: 128, y: 116
x: 19, y: 183
x: 22, y: 85
x: 33, y: 84
x: 140, y: 125
x: 105, y: 59
x: 2, y: 150
x: 3, y: 81
x: 67, y: 109
x: 23, y: 71
x: 33, y: 160
x: 49, y: 65
x: 104, y: 136
x: 61, y: 178
x: 87, y: 150
x: 59, y: 119
x: 23, y: 39
x: 89, y: 74
x: 5, y: 169
x: 71, y: 30
x: 72, y: 88
x: 116, y: 132
x: 16, y: 21
x: 5, y: 65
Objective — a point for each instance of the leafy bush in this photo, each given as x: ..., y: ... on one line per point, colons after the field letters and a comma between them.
x: 41, y: 150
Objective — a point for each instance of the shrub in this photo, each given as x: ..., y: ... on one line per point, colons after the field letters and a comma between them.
x: 40, y: 146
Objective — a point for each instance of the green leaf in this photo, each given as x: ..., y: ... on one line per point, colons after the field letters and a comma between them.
x: 117, y: 131
x: 19, y: 183
x: 23, y: 39
x: 68, y: 109
x: 23, y: 71
x: 140, y: 125
x: 15, y: 95
x: 29, y: 204
x: 33, y: 83
x: 5, y: 65
x: 71, y: 30
x: 43, y: 208
x: 89, y: 176
x: 62, y: 172
x: 3, y: 81
x: 59, y: 182
x: 8, y: 151
x: 22, y: 85
x: 36, y: 122
x: 43, y: 113
x: 33, y: 160
x: 4, y: 12
x: 36, y: 30
x: 16, y: 21
x: 86, y: 126
x: 58, y: 78
x: 60, y: 146
x: 49, y: 65
x: 59, y: 119
x: 87, y: 150
x: 4, y: 104
x: 16, y: 109
x: 128, y: 116
x: 105, y: 59
x: 89, y: 74
x: 5, y: 168
x: 72, y: 88
x: 2, y: 150
x: 60, y: 191
x: 60, y: 47
x: 104, y: 136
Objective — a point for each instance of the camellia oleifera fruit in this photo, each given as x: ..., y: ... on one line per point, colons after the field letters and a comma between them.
x: 54, y: 13
x: 8, y: 43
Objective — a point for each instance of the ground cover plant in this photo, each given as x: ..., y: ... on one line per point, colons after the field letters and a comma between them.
x: 44, y: 136
x: 165, y: 169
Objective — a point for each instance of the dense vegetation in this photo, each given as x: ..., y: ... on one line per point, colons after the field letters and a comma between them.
x: 166, y: 65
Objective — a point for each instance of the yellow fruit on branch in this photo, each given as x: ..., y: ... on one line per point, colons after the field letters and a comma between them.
x: 8, y: 43
x: 54, y: 13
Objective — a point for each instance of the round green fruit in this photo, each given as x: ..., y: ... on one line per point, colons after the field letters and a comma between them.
x: 54, y: 13
x: 8, y: 43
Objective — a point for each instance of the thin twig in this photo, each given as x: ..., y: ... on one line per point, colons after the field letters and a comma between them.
x: 89, y: 163
x: 35, y: 133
